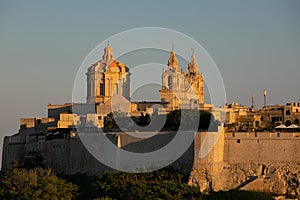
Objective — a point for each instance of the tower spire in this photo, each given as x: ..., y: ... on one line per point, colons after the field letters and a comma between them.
x: 193, y: 65
x: 172, y: 62
x: 252, y: 105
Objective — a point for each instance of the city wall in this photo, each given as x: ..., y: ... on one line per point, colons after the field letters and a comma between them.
x: 70, y: 156
x: 262, y: 147
x: 267, y: 162
x: 263, y: 161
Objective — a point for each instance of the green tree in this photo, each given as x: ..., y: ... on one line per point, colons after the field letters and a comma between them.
x: 144, y: 120
x: 84, y: 183
x: 35, y: 160
x: 162, y: 184
x: 15, y: 164
x: 190, y: 120
x: 109, y: 122
x: 34, y: 184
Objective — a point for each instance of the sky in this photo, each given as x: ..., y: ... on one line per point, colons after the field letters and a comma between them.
x: 255, y: 44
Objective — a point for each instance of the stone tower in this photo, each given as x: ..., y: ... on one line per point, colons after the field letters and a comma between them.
x: 172, y: 62
x: 180, y: 89
x: 107, y: 78
x: 195, y: 79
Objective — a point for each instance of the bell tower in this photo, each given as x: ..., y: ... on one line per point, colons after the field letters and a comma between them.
x: 180, y: 89
x: 195, y: 79
x: 172, y: 62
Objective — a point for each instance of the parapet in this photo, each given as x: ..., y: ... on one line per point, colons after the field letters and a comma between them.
x: 262, y: 135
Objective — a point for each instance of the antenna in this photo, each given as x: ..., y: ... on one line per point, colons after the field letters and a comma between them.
x: 173, y: 46
x: 252, y: 106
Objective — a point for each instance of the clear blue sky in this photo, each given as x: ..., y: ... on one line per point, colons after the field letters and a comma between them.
x: 255, y: 44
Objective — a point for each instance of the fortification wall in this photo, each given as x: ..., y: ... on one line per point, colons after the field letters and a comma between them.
x: 268, y: 162
x: 253, y: 161
x: 153, y: 144
x: 261, y: 147
x: 70, y: 156
x: 10, y: 152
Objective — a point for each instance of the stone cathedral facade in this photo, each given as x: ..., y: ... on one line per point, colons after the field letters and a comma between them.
x: 109, y: 80
x: 180, y: 89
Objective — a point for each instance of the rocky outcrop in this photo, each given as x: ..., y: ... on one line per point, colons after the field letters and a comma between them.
x: 281, y: 178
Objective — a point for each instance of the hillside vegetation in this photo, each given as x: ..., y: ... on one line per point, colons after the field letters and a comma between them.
x: 39, y: 183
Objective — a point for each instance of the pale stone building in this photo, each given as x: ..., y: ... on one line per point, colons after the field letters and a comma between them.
x: 180, y: 89
x: 107, y: 78
x: 281, y: 114
x: 267, y: 117
x: 108, y: 84
x: 68, y: 120
x: 108, y: 90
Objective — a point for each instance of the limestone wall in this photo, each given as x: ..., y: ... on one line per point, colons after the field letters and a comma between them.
x: 261, y: 147
x: 69, y: 155
x: 11, y: 152
x: 267, y: 162
x: 218, y: 161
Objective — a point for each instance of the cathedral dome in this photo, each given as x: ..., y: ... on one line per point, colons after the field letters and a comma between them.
x: 108, y: 62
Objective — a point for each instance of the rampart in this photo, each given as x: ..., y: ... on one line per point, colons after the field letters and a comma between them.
x: 263, y: 161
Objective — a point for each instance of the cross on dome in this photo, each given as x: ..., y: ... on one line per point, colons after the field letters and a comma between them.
x: 108, y: 53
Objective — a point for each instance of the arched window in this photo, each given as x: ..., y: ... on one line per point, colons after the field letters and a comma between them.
x: 288, y: 123
x: 288, y: 112
x: 297, y: 122
x: 101, y: 89
x: 170, y: 82
x: 116, y: 89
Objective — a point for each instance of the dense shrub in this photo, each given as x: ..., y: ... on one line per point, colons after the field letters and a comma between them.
x: 163, y: 184
x: 186, y: 119
x: 34, y: 184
